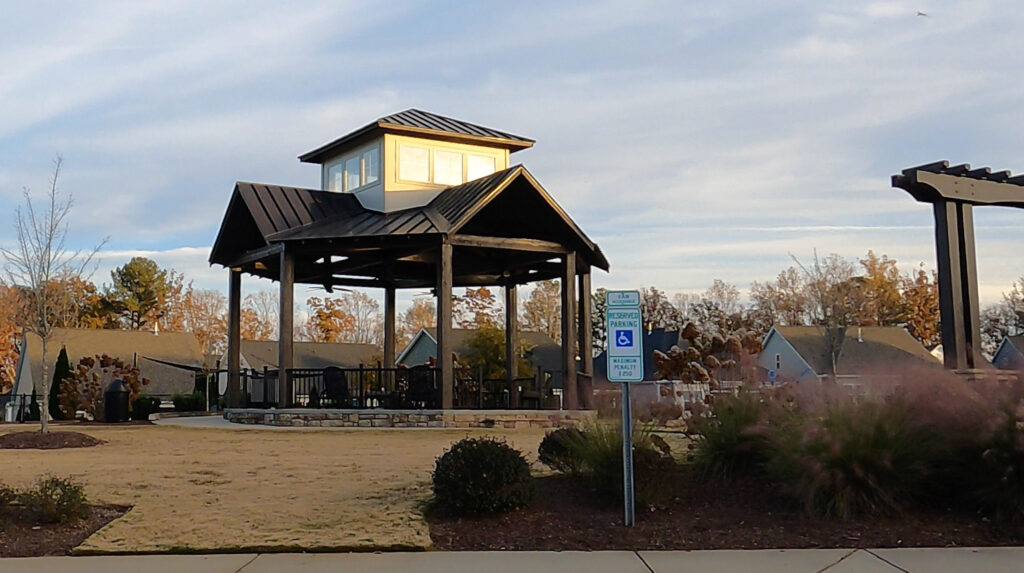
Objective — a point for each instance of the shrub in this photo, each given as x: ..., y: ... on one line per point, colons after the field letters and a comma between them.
x: 557, y: 452
x: 56, y: 499
x: 599, y: 449
x: 7, y: 495
x: 856, y: 458
x: 991, y: 474
x: 143, y: 406
x: 194, y: 402
x: 481, y: 476
x: 727, y: 445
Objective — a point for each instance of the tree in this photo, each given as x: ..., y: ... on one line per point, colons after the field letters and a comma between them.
x: 835, y: 297
x: 171, y: 303
x: 11, y: 313
x: 39, y: 259
x: 656, y: 310
x: 138, y: 292
x: 784, y: 302
x: 476, y: 308
x: 542, y: 310
x: 328, y: 321
x: 920, y: 293
x: 883, y: 303
x: 260, y: 312
x: 1005, y: 318
x: 205, y: 315
x: 598, y: 315
x: 421, y: 314
x: 61, y: 371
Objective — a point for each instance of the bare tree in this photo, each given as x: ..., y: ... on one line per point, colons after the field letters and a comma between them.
x: 38, y: 262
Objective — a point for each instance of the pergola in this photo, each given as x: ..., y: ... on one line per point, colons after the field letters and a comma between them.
x: 953, y: 192
x: 500, y: 230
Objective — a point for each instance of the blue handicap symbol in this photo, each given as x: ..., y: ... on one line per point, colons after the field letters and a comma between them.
x: 623, y: 338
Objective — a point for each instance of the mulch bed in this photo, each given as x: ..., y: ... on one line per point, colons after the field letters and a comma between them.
x: 51, y: 440
x: 700, y: 515
x: 22, y: 536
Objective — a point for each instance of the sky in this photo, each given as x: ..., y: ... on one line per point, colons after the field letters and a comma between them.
x: 690, y: 140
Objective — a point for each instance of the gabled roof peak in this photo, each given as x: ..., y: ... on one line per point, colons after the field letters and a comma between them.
x: 423, y: 123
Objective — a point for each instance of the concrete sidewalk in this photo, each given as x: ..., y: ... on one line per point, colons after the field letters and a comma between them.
x: 989, y: 560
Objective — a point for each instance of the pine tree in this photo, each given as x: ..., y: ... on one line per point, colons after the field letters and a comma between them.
x: 61, y: 371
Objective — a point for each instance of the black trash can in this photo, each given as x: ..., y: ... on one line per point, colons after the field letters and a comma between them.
x: 115, y: 402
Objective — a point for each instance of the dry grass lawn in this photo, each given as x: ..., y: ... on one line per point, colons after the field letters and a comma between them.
x: 208, y: 489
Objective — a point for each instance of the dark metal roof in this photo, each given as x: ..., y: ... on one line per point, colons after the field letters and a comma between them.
x: 286, y: 214
x: 421, y: 122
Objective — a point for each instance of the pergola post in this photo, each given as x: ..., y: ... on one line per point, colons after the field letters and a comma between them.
x: 286, y: 332
x: 958, y: 283
x: 586, y: 337
x: 444, y: 323
x: 570, y: 391
x: 389, y: 326
x: 511, y: 343
x: 234, y: 397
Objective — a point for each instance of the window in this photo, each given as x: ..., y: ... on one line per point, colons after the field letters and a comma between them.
x: 336, y: 177
x: 413, y: 163
x: 478, y: 166
x: 351, y: 172
x: 371, y: 166
x: 778, y: 361
x: 447, y: 167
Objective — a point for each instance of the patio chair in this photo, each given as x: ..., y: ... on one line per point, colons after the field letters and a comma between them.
x: 421, y: 392
x: 336, y: 387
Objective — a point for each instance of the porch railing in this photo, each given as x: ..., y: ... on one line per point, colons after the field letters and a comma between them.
x: 397, y: 388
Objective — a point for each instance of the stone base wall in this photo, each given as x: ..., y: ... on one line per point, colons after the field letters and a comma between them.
x: 508, y: 419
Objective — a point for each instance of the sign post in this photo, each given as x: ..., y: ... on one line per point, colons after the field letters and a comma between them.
x: 625, y: 353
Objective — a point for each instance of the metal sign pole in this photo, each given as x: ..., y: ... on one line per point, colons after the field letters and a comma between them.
x: 627, y: 456
x: 625, y: 364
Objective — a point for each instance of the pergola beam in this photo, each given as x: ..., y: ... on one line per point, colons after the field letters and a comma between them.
x: 508, y: 244
x: 953, y: 191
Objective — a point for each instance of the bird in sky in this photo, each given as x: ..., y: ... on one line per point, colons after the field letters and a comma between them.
x: 920, y: 13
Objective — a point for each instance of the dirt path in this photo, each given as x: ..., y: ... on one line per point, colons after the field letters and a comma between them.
x: 200, y: 489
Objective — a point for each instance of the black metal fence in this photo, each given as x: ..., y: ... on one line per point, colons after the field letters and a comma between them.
x: 396, y: 388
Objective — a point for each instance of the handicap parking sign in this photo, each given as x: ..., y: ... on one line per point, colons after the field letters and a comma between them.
x: 624, y: 338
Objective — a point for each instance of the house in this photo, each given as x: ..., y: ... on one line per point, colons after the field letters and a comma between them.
x: 804, y: 353
x: 1010, y: 354
x: 541, y: 352
x: 168, y: 359
x: 260, y: 354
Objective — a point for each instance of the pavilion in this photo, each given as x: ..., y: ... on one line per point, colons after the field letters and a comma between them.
x: 412, y: 200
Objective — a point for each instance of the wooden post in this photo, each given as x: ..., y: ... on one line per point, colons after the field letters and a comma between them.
x: 958, y: 284
x: 286, y: 330
x: 512, y: 343
x: 389, y: 326
x: 444, y: 323
x: 569, y: 331
x: 586, y: 338
x: 235, y: 339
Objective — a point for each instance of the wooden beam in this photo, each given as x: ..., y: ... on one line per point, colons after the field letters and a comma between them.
x: 511, y: 344
x: 947, y: 251
x: 235, y: 394
x: 973, y: 191
x: 586, y: 337
x: 286, y: 331
x: 444, y: 323
x: 389, y: 326
x: 969, y: 286
x: 508, y: 244
x: 254, y: 255
x: 570, y: 392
